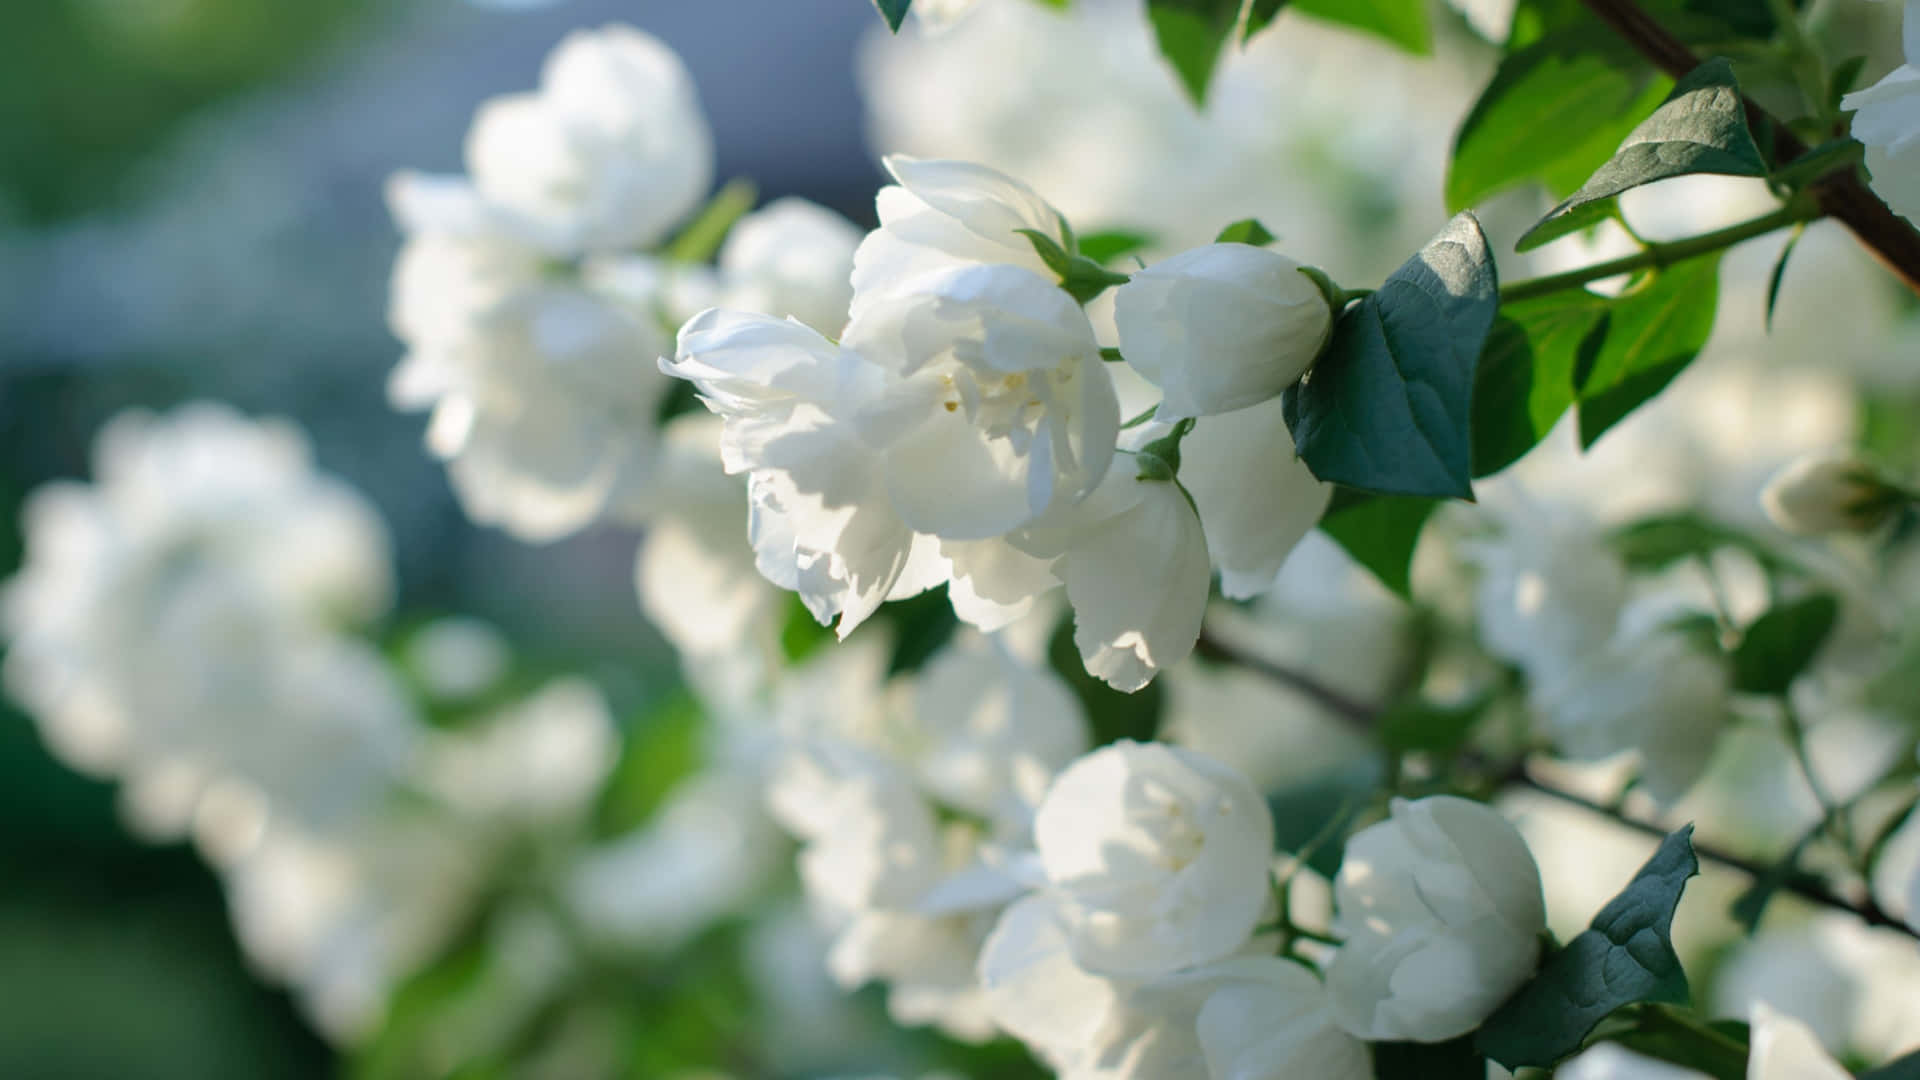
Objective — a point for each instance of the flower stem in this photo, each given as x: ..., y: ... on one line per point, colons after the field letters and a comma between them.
x: 1657, y: 256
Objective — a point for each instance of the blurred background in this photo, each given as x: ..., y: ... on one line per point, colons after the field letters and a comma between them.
x: 191, y: 207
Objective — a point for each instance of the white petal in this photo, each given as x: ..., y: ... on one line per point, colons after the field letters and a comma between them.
x: 1256, y: 498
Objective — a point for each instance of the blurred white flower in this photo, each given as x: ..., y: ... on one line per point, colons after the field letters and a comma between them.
x: 1157, y: 858
x: 791, y: 258
x: 610, y: 154
x: 1549, y: 596
x: 457, y: 657
x: 1658, y: 694
x: 1887, y: 119
x: 536, y: 762
x: 1441, y: 906
x: 1784, y: 1049
x: 1829, y: 493
x: 1256, y: 499
x: 1221, y: 327
x: 1272, y: 1020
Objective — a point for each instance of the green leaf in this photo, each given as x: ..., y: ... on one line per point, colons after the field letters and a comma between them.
x: 1700, y: 128
x: 1780, y: 644
x: 1387, y: 406
x: 1261, y: 13
x: 1310, y: 818
x: 1678, y: 1036
x: 1422, y: 726
x: 1656, y: 543
x: 1402, y: 22
x: 1104, y: 247
x: 1906, y: 1068
x: 921, y: 625
x: 1080, y: 276
x: 1380, y: 533
x: 701, y: 239
x: 1192, y: 34
x: 1626, y: 956
x: 1525, y: 379
x: 1248, y: 231
x: 894, y: 11
x: 657, y: 753
x: 1653, y: 332
x: 1846, y: 75
x: 1779, y: 274
x: 1554, y: 112
x: 1453, y: 1060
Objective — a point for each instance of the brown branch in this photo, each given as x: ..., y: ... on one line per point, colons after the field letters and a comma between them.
x: 1842, y: 196
x: 1357, y: 714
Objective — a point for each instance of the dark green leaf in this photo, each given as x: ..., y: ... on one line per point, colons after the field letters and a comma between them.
x: 1625, y: 957
x: 1402, y: 22
x: 1653, y: 332
x: 1554, y: 112
x: 1525, y: 380
x: 1249, y: 231
x: 1422, y: 726
x: 1104, y: 247
x: 1907, y: 1068
x: 1380, y: 532
x: 659, y: 751
x: 1387, y: 406
x: 1780, y: 644
x: 921, y: 625
x: 1310, y: 817
x: 1846, y: 75
x: 1700, y: 128
x: 894, y: 11
x: 1080, y: 276
x: 1192, y: 34
x: 1751, y: 906
x: 701, y: 239
x: 1454, y: 1060
x: 1656, y: 543
x: 1779, y: 274
x: 1260, y: 14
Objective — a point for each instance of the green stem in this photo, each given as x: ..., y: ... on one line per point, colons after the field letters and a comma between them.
x: 1809, y: 68
x: 1834, y: 815
x: 1658, y: 256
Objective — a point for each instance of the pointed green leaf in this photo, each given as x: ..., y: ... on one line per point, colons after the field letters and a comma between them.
x: 1380, y: 532
x: 1402, y: 22
x: 1387, y: 406
x: 1653, y: 332
x: 702, y: 237
x: 1192, y: 34
x: 1780, y: 644
x: 1525, y: 381
x: 1626, y: 956
x: 1248, y: 231
x: 894, y: 11
x: 1104, y: 247
x: 1700, y: 128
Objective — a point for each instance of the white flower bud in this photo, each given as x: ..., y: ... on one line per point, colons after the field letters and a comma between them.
x: 1887, y: 119
x: 1156, y: 856
x: 1221, y: 327
x: 1443, y: 913
x: 1272, y: 1020
x: 608, y: 155
x: 1829, y: 493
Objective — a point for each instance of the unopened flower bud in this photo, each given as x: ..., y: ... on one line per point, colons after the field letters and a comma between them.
x: 1828, y: 494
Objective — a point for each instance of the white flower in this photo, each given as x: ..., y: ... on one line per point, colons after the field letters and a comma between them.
x: 1221, y: 327
x: 941, y: 15
x: 538, y: 761
x: 1610, y: 1061
x: 1256, y: 499
x: 948, y: 214
x: 997, y: 730
x: 1442, y: 909
x: 1829, y: 493
x: 791, y: 257
x: 1785, y: 1049
x: 927, y: 962
x: 1272, y: 1020
x: 1887, y: 119
x: 1549, y: 596
x: 1657, y: 694
x: 608, y: 155
x: 998, y: 404
x: 1157, y: 856
x: 1133, y: 557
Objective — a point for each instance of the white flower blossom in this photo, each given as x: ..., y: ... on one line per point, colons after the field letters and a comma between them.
x: 791, y: 258
x: 1442, y: 909
x: 1829, y: 493
x: 1256, y: 499
x: 1157, y: 857
x: 1549, y: 597
x: 1887, y: 119
x: 537, y: 761
x: 1221, y: 327
x: 1658, y: 694
x: 1272, y: 1020
x: 609, y: 154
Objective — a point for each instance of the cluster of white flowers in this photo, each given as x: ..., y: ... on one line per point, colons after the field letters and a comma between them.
x: 533, y: 295
x: 964, y: 428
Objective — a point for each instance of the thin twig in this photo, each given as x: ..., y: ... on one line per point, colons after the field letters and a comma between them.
x: 1356, y: 713
x: 1842, y: 196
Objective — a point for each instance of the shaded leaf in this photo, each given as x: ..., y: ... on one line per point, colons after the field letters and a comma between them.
x: 1309, y: 818
x: 1387, y: 406
x: 1700, y: 128
x: 1677, y: 1036
x: 1380, y: 532
x: 1402, y: 22
x: 1525, y: 379
x: 1455, y: 1059
x: 1779, y: 273
x: 1780, y: 644
x: 1907, y: 1068
x: 894, y: 11
x: 1653, y: 332
x: 1423, y: 726
x: 1626, y: 956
